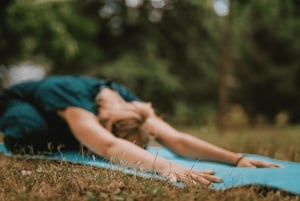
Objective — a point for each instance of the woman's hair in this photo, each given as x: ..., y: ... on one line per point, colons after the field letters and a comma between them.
x: 124, y: 119
x: 132, y: 130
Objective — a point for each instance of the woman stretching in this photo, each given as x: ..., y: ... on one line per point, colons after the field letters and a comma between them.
x: 106, y: 118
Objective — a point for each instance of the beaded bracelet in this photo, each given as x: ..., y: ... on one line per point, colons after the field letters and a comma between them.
x: 238, y: 160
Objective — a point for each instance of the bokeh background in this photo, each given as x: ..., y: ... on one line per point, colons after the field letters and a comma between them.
x: 206, y: 62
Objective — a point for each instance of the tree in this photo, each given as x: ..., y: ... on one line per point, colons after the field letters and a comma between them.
x: 225, y: 61
x: 53, y: 32
x: 266, y: 58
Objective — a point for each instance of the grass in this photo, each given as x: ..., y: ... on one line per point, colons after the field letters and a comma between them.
x: 25, y: 179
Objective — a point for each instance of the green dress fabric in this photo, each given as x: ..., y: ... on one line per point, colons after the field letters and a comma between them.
x: 30, y: 109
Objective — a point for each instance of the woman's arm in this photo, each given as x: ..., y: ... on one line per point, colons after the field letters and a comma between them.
x: 191, y: 147
x: 88, y: 131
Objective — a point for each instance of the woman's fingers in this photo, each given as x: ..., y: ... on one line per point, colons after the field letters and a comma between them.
x: 202, y: 180
x: 203, y: 177
x: 265, y: 164
x: 211, y: 179
x: 206, y: 178
x: 207, y: 172
x: 246, y: 162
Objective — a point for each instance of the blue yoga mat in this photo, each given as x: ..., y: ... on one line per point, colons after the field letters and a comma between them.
x: 286, y: 178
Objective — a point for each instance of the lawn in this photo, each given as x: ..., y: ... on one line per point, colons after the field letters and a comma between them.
x: 26, y: 179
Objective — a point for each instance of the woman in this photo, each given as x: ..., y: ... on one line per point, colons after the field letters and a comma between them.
x: 107, y: 119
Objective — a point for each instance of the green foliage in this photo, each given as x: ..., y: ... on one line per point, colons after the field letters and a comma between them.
x: 267, y: 65
x: 168, y: 55
x: 170, y: 62
x: 54, y: 32
x: 148, y: 77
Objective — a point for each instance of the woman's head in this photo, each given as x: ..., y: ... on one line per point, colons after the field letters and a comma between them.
x: 132, y: 130
x: 123, y: 119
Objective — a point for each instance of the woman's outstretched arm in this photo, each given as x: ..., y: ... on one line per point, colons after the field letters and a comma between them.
x: 89, y: 132
x: 191, y: 147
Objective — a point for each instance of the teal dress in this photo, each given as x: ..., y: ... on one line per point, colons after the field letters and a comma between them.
x: 29, y: 119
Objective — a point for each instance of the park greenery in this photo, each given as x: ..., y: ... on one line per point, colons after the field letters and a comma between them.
x: 167, y: 51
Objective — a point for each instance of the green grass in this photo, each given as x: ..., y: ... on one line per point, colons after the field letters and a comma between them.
x: 24, y: 179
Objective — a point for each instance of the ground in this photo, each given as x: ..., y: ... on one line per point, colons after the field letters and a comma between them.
x: 25, y: 179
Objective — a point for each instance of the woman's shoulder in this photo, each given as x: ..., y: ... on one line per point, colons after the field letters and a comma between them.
x: 57, y: 92
x: 69, y: 78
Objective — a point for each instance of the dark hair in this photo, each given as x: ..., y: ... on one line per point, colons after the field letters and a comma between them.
x: 4, y: 101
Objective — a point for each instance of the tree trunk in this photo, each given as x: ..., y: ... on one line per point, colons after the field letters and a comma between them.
x: 223, y: 69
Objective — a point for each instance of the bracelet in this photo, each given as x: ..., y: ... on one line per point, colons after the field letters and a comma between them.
x: 238, y: 160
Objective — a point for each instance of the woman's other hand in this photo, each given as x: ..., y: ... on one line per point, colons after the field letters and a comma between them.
x: 247, y: 162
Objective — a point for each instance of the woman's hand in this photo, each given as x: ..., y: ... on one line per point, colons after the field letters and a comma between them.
x: 246, y: 162
x: 178, y: 173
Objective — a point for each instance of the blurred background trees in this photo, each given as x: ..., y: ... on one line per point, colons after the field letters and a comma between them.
x: 167, y: 51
